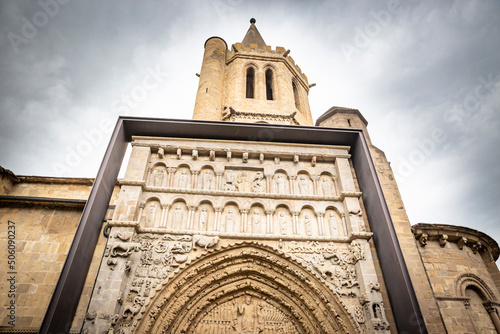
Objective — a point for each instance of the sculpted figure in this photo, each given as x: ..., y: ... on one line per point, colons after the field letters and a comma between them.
x: 203, y: 219
x: 183, y: 179
x: 158, y: 179
x: 256, y: 221
x: 303, y: 185
x: 326, y: 186
x: 242, y: 182
x: 258, y: 183
x: 177, y: 217
x: 229, y: 186
x: 332, y: 223
x: 282, y: 222
x: 246, y: 316
x: 308, y: 224
x: 230, y: 220
x: 150, y: 218
x: 207, y: 180
x: 280, y: 184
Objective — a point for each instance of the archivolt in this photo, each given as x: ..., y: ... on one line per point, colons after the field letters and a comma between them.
x: 245, y: 268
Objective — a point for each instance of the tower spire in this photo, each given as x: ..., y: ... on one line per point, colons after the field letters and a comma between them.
x: 253, y: 36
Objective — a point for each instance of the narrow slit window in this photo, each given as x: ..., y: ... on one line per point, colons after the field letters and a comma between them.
x: 296, y: 96
x: 250, y: 83
x: 269, y: 84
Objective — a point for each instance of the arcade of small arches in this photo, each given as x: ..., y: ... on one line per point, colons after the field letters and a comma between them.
x: 241, y: 216
x: 257, y: 180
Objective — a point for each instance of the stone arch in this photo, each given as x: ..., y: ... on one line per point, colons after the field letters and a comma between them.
x: 308, y: 221
x: 182, y: 177
x: 283, y: 219
x: 304, y: 184
x: 204, y: 216
x: 178, y: 214
x: 152, y: 214
x: 327, y: 184
x: 245, y: 268
x: 230, y: 217
x: 281, y: 181
x: 207, y: 178
x: 158, y: 175
x: 466, y: 280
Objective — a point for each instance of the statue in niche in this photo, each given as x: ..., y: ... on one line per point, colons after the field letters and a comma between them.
x: 183, y: 179
x: 377, y: 311
x: 177, y: 217
x: 150, y: 217
x: 242, y: 182
x: 203, y: 219
x: 282, y: 222
x: 229, y: 186
x: 230, y: 220
x: 246, y: 316
x: 308, y: 224
x: 280, y: 184
x: 256, y: 221
x: 207, y: 180
x: 258, y: 183
x: 326, y: 186
x: 158, y: 178
x: 303, y: 185
x: 332, y: 222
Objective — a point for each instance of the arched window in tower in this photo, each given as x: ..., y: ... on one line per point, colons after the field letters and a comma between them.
x: 296, y: 96
x: 250, y: 83
x: 269, y: 84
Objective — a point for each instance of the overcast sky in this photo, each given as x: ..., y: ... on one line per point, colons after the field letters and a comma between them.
x: 425, y: 74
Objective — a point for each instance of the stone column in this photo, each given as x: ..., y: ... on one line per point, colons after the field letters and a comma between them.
x: 321, y: 225
x: 293, y: 179
x: 269, y: 221
x: 170, y: 177
x: 164, y: 214
x: 315, y: 179
x: 493, y: 312
x: 244, y: 218
x: 192, y: 209
x: 142, y: 205
x: 218, y: 214
x: 218, y: 175
x: 295, y: 224
x: 149, y: 180
x: 194, y: 179
x: 269, y: 183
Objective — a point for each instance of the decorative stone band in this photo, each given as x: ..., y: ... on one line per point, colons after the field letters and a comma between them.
x: 232, y: 115
x: 244, y: 236
x: 462, y: 236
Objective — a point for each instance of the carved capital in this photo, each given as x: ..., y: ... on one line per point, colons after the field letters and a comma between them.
x: 142, y: 205
x: 219, y: 209
x: 192, y: 207
x: 315, y: 177
x: 269, y: 212
x: 293, y: 177
x: 195, y: 172
x: 245, y: 211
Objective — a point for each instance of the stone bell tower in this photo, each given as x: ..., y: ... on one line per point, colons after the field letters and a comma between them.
x: 251, y: 83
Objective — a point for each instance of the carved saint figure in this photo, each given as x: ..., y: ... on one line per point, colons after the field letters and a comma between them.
x: 203, y: 219
x: 258, y: 183
x: 158, y: 179
x: 308, y: 224
x: 326, y: 186
x: 207, y: 180
x: 256, y: 221
x: 242, y: 182
x: 282, y: 222
x: 229, y: 186
x: 246, y: 315
x: 177, y: 217
x: 280, y: 184
x: 303, y: 185
x: 230, y: 220
x: 333, y: 224
x: 150, y: 219
x: 377, y: 311
x: 183, y: 180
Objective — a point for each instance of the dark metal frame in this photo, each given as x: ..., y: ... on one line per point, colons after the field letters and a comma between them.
x: 64, y: 302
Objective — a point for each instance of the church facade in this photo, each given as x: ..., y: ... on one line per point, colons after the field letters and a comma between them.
x: 260, y: 233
